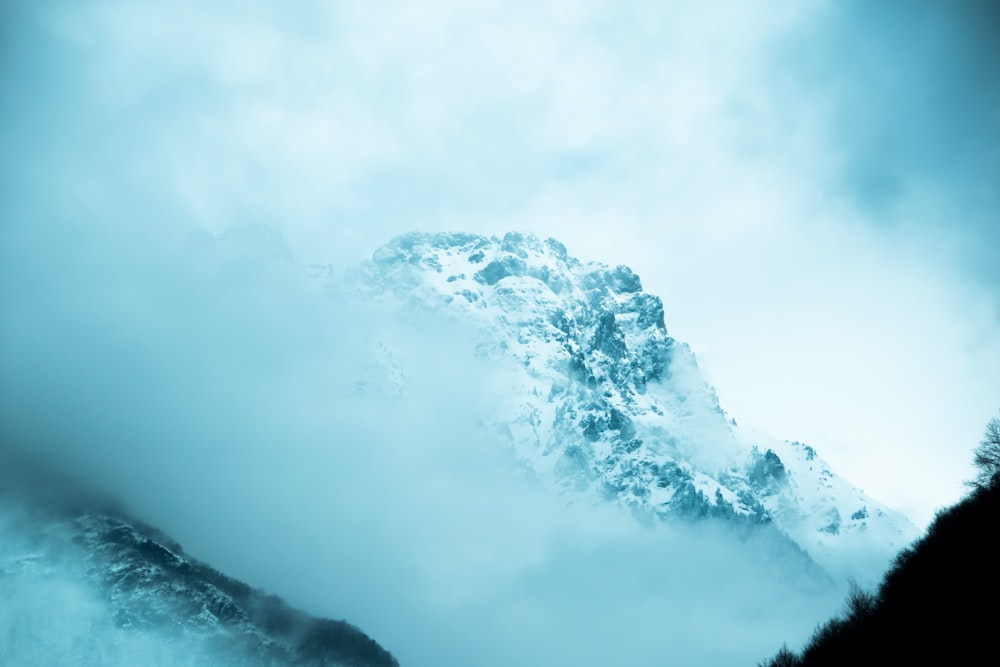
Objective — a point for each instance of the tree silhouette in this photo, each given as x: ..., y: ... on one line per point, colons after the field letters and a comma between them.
x: 987, y: 456
x: 937, y: 604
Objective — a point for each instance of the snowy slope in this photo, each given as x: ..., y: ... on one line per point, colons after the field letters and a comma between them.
x: 87, y: 585
x: 607, y: 405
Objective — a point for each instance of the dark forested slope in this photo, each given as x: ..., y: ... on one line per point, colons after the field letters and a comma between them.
x: 938, y: 603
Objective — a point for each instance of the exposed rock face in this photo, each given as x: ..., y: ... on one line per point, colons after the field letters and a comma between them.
x: 610, y: 405
x: 148, y: 603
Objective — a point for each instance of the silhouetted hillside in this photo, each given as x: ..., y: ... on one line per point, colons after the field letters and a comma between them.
x: 936, y: 605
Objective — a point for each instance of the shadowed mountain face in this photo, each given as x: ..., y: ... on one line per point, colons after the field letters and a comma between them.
x: 138, y: 599
x: 936, y: 605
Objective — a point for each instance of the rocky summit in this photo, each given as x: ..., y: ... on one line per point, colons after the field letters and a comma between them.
x: 610, y: 406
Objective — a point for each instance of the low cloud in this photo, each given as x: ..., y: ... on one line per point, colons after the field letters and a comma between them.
x: 166, y: 169
x: 224, y: 398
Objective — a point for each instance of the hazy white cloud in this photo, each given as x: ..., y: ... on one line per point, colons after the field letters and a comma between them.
x: 805, y: 243
x: 232, y: 404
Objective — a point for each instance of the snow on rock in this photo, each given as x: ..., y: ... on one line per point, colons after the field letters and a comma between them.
x: 610, y: 406
x: 91, y: 586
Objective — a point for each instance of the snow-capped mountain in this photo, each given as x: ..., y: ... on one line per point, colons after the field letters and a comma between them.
x: 608, y: 405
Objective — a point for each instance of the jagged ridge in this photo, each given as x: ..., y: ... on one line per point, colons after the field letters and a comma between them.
x: 149, y: 587
x: 610, y: 404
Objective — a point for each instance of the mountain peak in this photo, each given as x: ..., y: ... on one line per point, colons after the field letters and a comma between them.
x: 611, y: 407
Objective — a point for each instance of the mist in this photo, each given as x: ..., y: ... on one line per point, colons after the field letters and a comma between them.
x: 210, y: 386
x: 168, y: 171
x: 807, y: 185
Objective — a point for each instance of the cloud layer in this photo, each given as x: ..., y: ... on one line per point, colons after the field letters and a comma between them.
x: 235, y: 406
x: 808, y: 187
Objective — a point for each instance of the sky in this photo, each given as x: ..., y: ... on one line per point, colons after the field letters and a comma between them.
x: 809, y: 186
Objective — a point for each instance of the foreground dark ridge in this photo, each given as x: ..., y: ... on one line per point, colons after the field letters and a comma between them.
x: 149, y: 587
x: 936, y: 605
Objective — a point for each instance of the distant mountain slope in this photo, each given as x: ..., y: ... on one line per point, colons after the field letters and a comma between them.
x: 936, y: 605
x: 91, y: 586
x: 610, y: 406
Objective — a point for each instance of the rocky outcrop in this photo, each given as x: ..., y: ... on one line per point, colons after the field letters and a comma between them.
x: 147, y: 592
x: 611, y: 405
